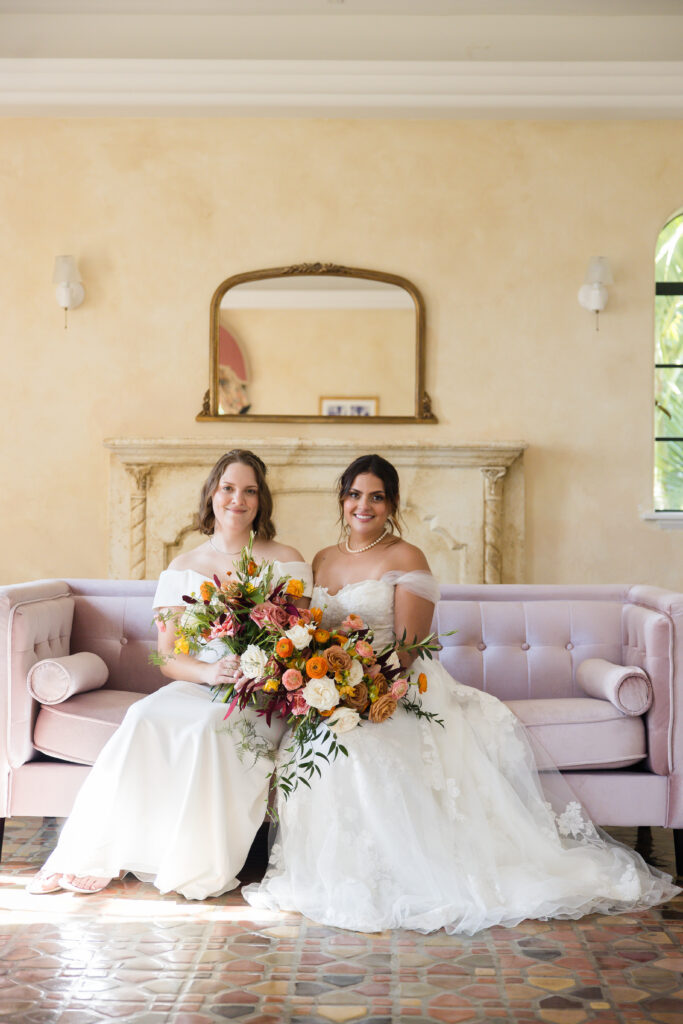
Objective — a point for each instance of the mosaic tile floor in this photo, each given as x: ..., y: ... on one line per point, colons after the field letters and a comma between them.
x: 130, y: 955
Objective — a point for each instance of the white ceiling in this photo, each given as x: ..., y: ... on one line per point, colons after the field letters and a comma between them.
x: 343, y: 57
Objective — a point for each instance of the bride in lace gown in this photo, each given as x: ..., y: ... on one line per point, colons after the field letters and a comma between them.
x: 169, y: 798
x: 426, y: 827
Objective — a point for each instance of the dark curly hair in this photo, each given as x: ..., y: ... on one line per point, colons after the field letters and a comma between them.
x: 382, y: 469
x: 263, y: 525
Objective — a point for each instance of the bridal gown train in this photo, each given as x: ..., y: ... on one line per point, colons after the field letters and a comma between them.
x: 172, y: 796
x: 425, y: 827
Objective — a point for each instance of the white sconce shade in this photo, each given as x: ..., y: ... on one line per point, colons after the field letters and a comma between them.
x: 593, y: 293
x: 70, y: 291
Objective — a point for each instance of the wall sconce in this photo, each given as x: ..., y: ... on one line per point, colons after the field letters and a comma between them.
x: 593, y: 293
x: 70, y: 291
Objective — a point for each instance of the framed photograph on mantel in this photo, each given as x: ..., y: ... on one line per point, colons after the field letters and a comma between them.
x: 345, y: 406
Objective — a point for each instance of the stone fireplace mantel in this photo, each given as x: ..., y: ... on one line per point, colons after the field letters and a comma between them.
x: 462, y: 503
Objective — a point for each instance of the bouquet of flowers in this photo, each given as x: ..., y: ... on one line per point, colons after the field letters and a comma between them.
x: 324, y: 683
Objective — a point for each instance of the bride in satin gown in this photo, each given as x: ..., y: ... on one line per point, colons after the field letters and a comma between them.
x: 171, y: 797
x: 425, y: 827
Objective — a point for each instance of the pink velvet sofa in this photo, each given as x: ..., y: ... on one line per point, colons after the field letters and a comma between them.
x: 525, y: 644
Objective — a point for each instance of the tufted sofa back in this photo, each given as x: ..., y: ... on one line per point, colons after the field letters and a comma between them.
x: 113, y: 618
x: 525, y: 642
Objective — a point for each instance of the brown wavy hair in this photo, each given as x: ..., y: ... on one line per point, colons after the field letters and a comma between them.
x: 263, y: 525
x: 381, y: 468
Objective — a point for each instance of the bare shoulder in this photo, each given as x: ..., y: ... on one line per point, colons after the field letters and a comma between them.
x: 324, y: 555
x: 188, y: 559
x: 407, y: 557
x: 283, y: 552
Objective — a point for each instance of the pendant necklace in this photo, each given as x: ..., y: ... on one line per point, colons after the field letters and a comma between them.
x: 220, y: 550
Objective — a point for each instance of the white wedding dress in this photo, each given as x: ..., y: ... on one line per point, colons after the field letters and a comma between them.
x: 426, y: 827
x: 173, y: 796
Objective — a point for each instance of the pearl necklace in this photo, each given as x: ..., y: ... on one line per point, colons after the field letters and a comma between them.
x: 359, y: 551
x: 220, y: 550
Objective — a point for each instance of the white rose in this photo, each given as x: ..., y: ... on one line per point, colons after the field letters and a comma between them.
x: 299, y: 636
x: 343, y: 720
x: 355, y: 673
x: 321, y: 694
x: 253, y: 662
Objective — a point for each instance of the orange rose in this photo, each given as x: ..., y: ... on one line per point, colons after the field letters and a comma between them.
x: 321, y: 635
x: 422, y: 682
x: 295, y: 588
x: 206, y: 590
x: 284, y: 647
x: 316, y: 667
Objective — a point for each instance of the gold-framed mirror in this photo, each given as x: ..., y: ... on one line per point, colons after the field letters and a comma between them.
x: 317, y: 342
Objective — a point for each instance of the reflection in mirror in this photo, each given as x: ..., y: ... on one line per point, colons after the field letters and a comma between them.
x: 333, y: 346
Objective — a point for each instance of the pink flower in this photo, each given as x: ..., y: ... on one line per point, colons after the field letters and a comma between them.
x: 304, y: 616
x: 293, y: 620
x: 227, y: 628
x: 298, y: 705
x: 353, y: 622
x: 364, y: 650
x: 373, y: 670
x: 399, y: 688
x: 269, y: 614
x: 292, y: 679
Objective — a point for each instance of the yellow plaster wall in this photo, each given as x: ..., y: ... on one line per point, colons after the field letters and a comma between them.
x: 494, y: 221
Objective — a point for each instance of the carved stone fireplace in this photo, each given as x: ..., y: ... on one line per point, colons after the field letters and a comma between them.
x: 462, y: 504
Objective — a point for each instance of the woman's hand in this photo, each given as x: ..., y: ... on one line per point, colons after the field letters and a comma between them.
x: 224, y: 672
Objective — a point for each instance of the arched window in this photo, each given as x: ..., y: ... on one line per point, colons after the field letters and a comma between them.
x: 669, y: 368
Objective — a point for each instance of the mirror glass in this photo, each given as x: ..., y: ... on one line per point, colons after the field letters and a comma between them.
x: 316, y: 344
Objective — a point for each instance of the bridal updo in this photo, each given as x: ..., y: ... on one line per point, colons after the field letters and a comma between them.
x: 263, y: 525
x: 382, y: 469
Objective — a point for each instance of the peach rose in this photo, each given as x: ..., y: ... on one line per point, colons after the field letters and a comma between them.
x: 399, y: 688
x: 364, y: 650
x: 383, y: 708
x: 338, y: 659
x: 353, y: 622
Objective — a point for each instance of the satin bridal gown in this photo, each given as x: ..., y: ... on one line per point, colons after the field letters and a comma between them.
x: 175, y: 796
x: 425, y: 827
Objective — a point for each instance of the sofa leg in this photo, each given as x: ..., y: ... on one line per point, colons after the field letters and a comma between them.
x: 678, y: 849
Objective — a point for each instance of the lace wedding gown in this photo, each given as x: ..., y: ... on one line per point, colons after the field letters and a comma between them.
x: 172, y: 796
x: 426, y: 827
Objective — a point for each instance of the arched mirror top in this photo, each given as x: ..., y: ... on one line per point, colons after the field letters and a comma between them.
x: 317, y: 341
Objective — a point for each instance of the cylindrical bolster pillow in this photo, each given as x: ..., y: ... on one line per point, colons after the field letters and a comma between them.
x: 56, y: 679
x: 626, y: 686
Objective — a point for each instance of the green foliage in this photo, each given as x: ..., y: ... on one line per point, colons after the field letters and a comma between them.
x: 669, y: 380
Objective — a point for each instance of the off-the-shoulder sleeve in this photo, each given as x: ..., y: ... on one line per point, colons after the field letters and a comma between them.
x: 418, y: 582
x: 299, y: 571
x: 173, y: 583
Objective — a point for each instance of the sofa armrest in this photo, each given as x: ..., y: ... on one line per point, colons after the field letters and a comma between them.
x: 35, y: 623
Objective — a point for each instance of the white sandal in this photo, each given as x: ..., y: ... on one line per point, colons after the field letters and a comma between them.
x: 38, y: 887
x: 72, y: 886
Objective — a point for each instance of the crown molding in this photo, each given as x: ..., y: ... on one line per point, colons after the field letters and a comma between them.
x: 327, y: 88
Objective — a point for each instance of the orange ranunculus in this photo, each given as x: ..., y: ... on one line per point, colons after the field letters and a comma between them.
x: 339, y: 638
x: 422, y: 682
x: 284, y: 647
x: 316, y: 667
x: 326, y: 714
x: 316, y: 614
x: 206, y: 590
x: 295, y: 588
x: 252, y: 568
x: 321, y: 635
